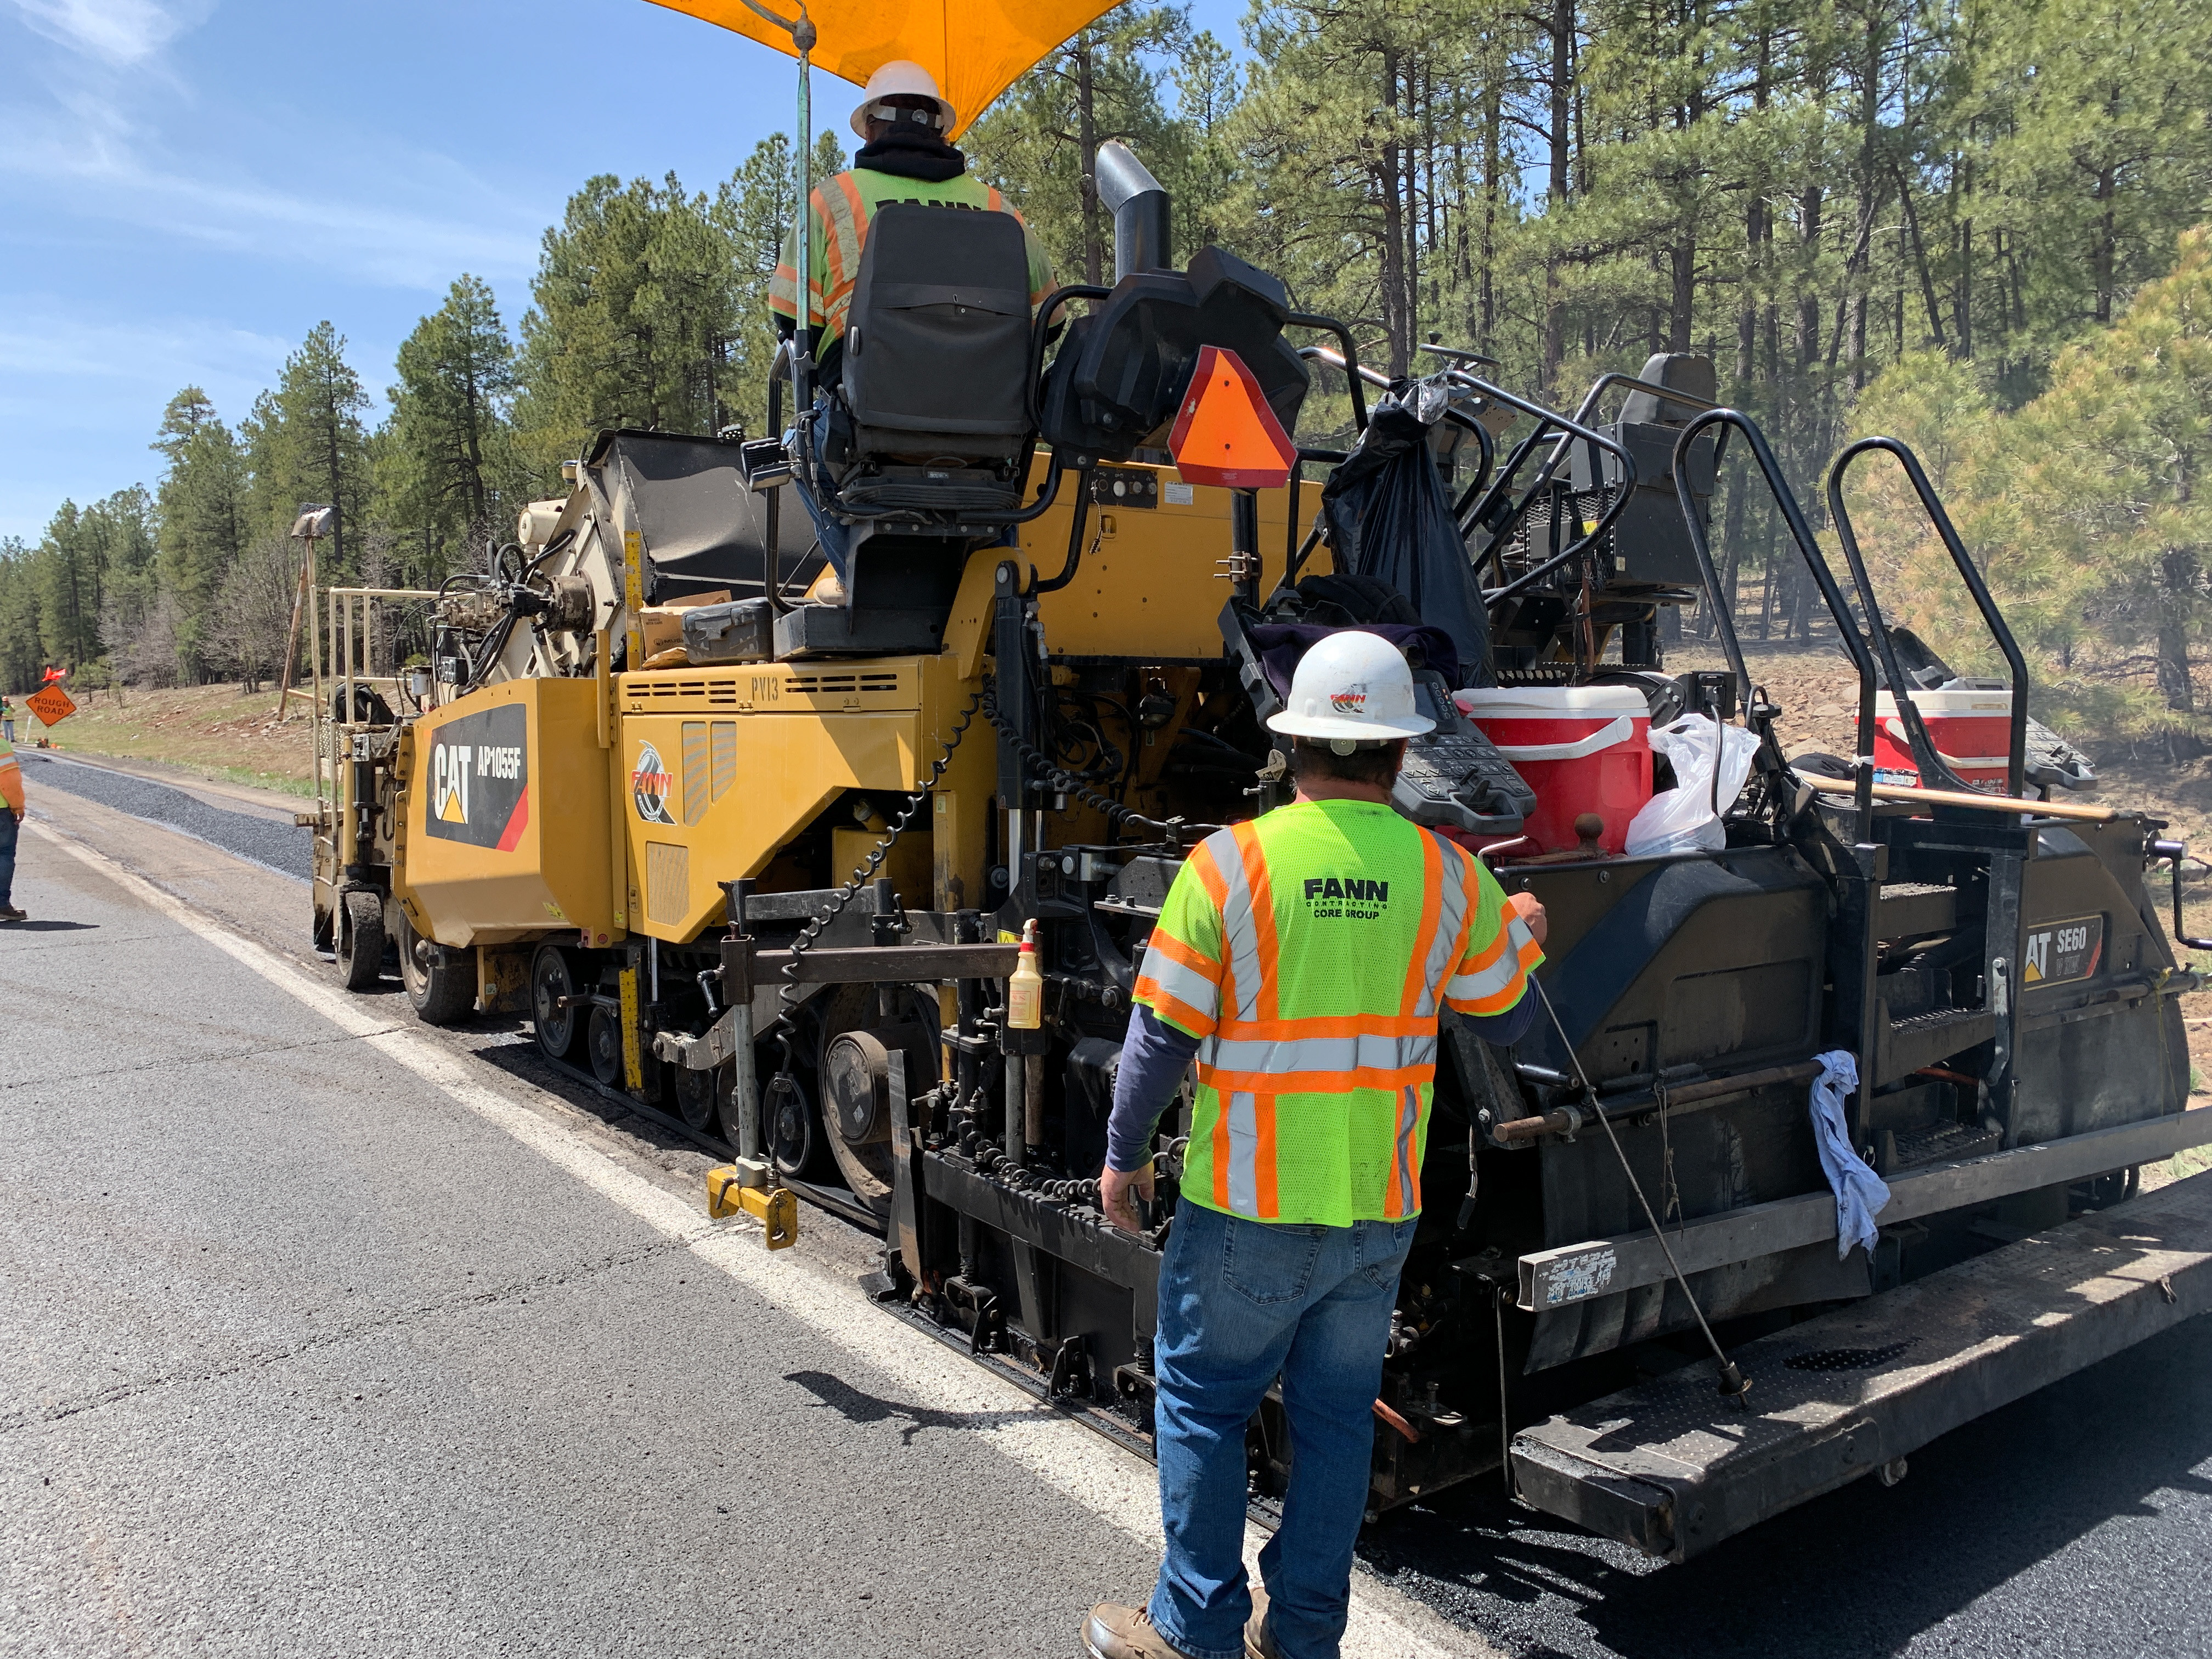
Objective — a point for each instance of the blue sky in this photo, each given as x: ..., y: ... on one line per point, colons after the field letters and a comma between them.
x: 187, y: 187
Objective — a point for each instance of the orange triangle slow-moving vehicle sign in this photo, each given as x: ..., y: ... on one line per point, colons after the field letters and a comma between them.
x: 1224, y: 433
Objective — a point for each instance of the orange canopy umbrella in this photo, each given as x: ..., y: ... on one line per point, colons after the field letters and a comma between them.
x: 975, y: 48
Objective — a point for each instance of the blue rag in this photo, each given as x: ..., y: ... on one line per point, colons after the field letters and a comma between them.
x: 1860, y: 1193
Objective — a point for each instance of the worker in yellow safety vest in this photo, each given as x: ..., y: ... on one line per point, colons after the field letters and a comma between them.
x: 11, y: 796
x: 1302, y: 960
x: 904, y: 124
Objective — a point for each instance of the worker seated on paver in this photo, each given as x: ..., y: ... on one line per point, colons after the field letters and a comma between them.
x: 871, y: 464
x: 905, y: 156
x: 1302, y: 960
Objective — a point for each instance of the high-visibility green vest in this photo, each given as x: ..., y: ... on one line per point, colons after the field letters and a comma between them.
x: 840, y: 209
x: 1311, y: 951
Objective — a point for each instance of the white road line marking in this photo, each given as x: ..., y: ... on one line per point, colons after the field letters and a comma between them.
x: 1114, y: 1485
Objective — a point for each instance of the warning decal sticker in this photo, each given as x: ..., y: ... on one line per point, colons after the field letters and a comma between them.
x: 479, y: 779
x: 2061, y: 950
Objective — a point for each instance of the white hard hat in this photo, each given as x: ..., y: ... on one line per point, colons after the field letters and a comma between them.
x: 1352, y: 685
x: 902, y: 75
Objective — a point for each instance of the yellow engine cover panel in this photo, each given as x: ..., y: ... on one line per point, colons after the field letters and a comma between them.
x: 506, y: 816
x: 1150, y: 582
x: 721, y: 766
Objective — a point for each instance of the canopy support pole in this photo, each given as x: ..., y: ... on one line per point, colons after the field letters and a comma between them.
x: 802, y: 362
x: 803, y: 40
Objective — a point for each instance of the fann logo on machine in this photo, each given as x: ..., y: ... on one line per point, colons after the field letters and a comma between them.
x: 650, y: 782
x: 479, y: 779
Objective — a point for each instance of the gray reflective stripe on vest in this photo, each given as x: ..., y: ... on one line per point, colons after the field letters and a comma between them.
x: 1186, y: 985
x: 1451, y: 916
x: 1331, y: 1053
x: 1244, y: 1120
x: 1240, y: 928
x: 1493, y: 980
x: 1409, y: 1116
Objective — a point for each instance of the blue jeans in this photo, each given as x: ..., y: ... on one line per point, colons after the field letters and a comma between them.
x: 1241, y: 1302
x: 8, y: 829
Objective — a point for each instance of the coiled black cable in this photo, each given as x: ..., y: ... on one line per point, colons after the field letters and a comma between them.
x: 1042, y: 771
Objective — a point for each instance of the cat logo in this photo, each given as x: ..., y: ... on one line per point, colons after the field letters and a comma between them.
x: 650, y: 782
x: 449, y: 782
x: 2061, y: 950
x: 479, y: 779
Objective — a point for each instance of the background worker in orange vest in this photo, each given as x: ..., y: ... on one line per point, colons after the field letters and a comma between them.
x: 11, y: 796
x: 906, y: 155
x: 1302, y: 960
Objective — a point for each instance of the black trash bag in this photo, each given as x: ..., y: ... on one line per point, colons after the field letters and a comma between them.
x: 1389, y: 519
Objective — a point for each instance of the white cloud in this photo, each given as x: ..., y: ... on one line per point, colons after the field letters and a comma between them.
x: 87, y: 159
x: 42, y: 339
x: 119, y: 31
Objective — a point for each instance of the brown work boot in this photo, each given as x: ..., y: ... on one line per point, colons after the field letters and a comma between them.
x: 1113, y: 1631
x: 1258, y: 1643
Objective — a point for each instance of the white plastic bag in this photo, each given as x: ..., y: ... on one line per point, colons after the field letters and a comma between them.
x: 1682, y: 819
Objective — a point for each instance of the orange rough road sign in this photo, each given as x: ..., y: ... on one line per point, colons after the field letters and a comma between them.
x: 50, y: 704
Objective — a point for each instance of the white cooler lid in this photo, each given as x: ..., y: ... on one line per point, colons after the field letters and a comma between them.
x: 1984, y: 703
x: 1539, y: 703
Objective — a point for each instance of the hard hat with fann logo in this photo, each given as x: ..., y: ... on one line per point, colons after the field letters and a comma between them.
x: 1352, y: 685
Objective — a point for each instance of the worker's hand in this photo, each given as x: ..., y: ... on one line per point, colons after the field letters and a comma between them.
x: 1530, y: 909
x: 1117, y: 1195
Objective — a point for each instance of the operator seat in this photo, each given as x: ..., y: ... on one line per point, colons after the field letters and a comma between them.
x: 936, y: 356
x: 926, y: 446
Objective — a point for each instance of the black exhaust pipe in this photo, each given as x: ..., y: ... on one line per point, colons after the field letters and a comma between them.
x: 1143, y: 228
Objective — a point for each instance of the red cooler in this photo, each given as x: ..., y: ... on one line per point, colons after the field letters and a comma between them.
x: 1971, y: 728
x: 1581, y: 748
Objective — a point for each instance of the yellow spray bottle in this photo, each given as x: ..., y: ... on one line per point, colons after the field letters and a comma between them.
x: 1025, y: 987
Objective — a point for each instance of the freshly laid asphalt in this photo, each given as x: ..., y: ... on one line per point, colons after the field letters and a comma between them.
x: 262, y: 837
x: 296, y: 1357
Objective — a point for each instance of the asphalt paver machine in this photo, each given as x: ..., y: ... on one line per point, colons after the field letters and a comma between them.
x: 740, y: 772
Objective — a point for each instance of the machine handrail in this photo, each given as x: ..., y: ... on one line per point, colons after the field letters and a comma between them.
x: 1484, y: 441
x: 1574, y: 428
x: 1924, y: 751
x: 1040, y: 337
x: 1471, y: 512
x: 1348, y: 362
x: 1620, y: 377
x: 1793, y: 517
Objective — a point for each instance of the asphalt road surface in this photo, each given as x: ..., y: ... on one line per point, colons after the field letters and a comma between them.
x: 325, y: 1333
